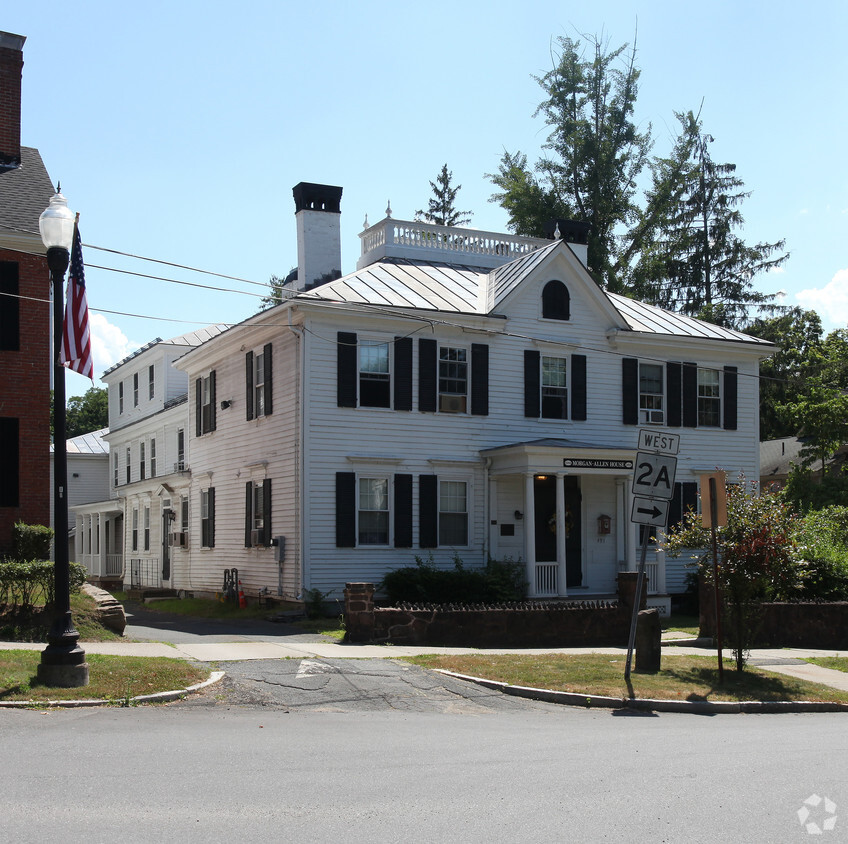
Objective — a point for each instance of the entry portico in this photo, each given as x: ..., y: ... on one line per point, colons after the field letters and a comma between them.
x: 563, y: 507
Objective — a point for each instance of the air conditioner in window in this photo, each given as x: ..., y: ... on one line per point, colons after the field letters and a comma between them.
x: 652, y: 417
x: 256, y: 537
x: 451, y: 404
x: 180, y: 467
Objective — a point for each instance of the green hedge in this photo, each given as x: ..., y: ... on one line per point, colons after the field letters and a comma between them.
x: 27, y: 584
x: 31, y: 542
x: 499, y: 581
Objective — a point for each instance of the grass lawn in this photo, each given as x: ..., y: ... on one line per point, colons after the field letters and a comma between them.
x: 840, y: 663
x: 692, y: 678
x: 115, y: 678
x: 33, y: 627
x: 227, y: 610
x: 680, y: 623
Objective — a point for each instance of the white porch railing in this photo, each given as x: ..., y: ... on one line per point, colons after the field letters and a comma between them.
x: 546, y: 580
x: 114, y: 565
x: 401, y: 238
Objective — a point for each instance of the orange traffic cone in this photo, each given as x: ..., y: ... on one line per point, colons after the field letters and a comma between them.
x: 242, y: 599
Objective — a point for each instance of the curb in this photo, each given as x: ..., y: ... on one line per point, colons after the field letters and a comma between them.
x: 719, y: 707
x: 156, y: 697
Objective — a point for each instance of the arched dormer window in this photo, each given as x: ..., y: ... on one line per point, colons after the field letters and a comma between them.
x: 556, y: 303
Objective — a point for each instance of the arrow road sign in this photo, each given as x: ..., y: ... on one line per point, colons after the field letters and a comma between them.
x: 649, y: 511
x: 653, y: 476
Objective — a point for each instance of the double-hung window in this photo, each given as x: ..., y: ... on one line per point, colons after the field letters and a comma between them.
x: 184, y: 514
x: 180, y: 450
x: 150, y: 382
x: 120, y: 397
x: 205, y: 404
x: 115, y: 468
x: 146, y: 528
x: 453, y: 379
x: 373, y: 511
x: 207, y: 517
x: 709, y: 398
x: 129, y: 463
x: 135, y: 529
x: 152, y: 457
x: 259, y: 384
x: 257, y: 514
x: 453, y: 513
x: 374, y: 375
x: 651, y: 393
x: 141, y: 472
x: 554, y: 388
x: 135, y: 389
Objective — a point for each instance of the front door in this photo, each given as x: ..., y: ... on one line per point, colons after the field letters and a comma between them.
x: 544, y: 494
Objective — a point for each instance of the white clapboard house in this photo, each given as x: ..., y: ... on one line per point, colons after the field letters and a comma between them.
x: 460, y: 394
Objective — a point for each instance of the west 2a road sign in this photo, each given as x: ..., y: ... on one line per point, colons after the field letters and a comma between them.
x: 650, y: 511
x: 653, y: 475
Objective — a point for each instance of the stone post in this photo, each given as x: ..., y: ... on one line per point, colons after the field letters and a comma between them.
x: 648, y: 641
x: 627, y: 591
x: 359, y: 612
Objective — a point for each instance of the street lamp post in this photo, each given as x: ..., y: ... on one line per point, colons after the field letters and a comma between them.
x: 63, y: 660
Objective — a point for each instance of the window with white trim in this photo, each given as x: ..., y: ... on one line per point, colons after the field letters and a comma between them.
x: 152, y: 457
x: 129, y: 463
x: 115, y: 460
x: 134, y: 543
x: 709, y: 398
x: 120, y: 397
x: 184, y: 514
x: 554, y: 388
x: 259, y: 384
x: 180, y: 450
x: 141, y: 470
x: 207, y: 409
x: 135, y: 389
x: 373, y: 511
x: 207, y: 517
x: 651, y: 380
x: 453, y: 513
x: 150, y: 381
x: 146, y: 528
x: 453, y: 379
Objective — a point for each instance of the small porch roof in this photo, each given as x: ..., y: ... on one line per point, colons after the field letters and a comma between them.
x: 554, y: 454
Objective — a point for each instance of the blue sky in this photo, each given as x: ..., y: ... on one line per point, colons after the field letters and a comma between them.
x: 178, y: 129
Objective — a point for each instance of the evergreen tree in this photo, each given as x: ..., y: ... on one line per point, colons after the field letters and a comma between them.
x: 442, y: 211
x: 696, y: 263
x: 594, y: 154
x: 275, y: 295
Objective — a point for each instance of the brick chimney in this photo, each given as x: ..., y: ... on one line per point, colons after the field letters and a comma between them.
x: 319, y: 249
x: 11, y: 69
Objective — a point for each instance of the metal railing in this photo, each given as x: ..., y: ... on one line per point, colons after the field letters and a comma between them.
x: 145, y: 571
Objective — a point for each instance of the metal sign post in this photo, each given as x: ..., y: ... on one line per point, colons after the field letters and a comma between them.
x: 716, y: 499
x: 653, y: 489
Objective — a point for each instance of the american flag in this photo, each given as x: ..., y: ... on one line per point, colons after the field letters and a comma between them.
x: 76, y: 342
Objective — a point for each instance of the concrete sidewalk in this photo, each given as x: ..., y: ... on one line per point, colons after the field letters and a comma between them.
x: 771, y: 659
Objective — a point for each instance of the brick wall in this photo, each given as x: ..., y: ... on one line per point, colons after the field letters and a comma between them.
x: 25, y: 395
x: 521, y: 625
x: 11, y: 67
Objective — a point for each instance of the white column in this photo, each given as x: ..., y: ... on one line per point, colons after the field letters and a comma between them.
x: 659, y: 586
x: 562, y: 590
x: 101, y: 545
x: 530, y: 534
x: 78, y: 540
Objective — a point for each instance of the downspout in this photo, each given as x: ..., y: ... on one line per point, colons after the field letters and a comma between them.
x: 487, y: 544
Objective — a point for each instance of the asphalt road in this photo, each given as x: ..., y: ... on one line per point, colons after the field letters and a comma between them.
x: 194, y: 773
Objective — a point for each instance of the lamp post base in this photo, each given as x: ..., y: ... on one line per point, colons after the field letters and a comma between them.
x: 63, y: 676
x: 63, y: 662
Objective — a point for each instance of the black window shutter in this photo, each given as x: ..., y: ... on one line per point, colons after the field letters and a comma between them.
x: 532, y: 384
x: 427, y: 369
x: 248, y: 384
x: 10, y: 462
x: 10, y: 322
x: 479, y: 379
x: 345, y: 509
x: 403, y: 373
x: 268, y: 389
x: 630, y: 391
x: 346, y: 368
x: 690, y: 395
x: 213, y: 399
x: 428, y: 515
x: 673, y: 389
x: 578, y: 388
x: 211, y: 516
x: 198, y: 406
x: 266, y: 508
x: 248, y: 513
x: 675, y: 509
x: 403, y: 511
x: 731, y: 379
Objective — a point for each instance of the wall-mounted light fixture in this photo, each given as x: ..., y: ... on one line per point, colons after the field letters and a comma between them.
x: 518, y: 515
x: 225, y: 404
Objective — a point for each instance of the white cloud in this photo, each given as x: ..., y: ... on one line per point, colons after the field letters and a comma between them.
x: 108, y: 343
x: 830, y: 301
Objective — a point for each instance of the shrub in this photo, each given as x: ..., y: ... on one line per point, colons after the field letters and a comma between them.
x: 498, y: 581
x: 822, y: 542
x: 31, y: 542
x: 25, y: 584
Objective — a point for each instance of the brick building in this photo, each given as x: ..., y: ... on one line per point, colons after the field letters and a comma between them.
x: 25, y: 189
